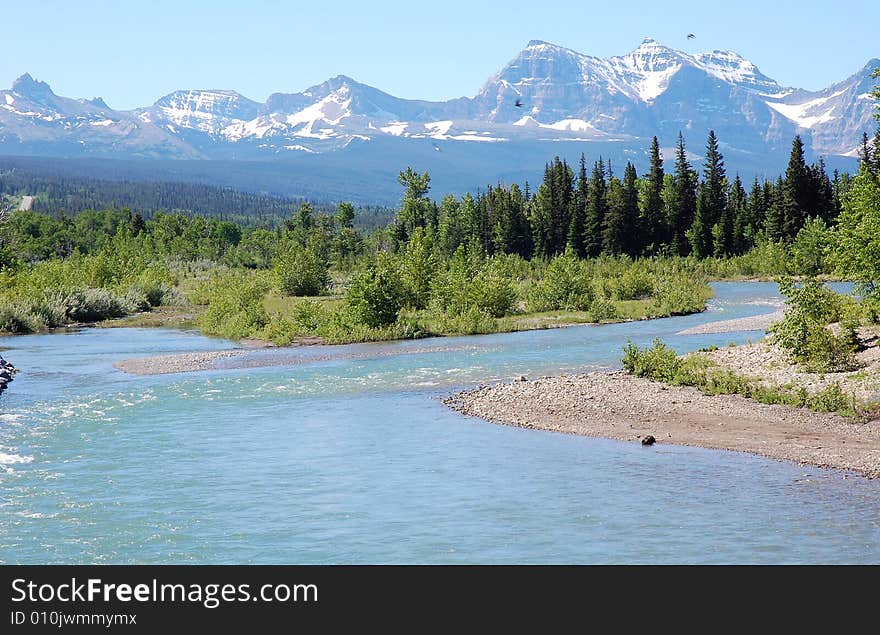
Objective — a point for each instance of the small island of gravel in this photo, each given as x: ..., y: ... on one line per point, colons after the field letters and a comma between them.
x: 621, y: 406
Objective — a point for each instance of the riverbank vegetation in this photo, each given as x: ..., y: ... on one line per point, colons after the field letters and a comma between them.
x: 583, y: 247
x: 828, y: 339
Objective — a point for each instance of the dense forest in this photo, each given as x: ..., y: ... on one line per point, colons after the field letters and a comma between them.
x: 58, y: 194
x: 586, y: 244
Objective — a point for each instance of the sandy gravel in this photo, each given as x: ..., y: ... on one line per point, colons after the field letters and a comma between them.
x: 177, y: 363
x: 754, y: 323
x: 619, y: 406
x: 770, y: 364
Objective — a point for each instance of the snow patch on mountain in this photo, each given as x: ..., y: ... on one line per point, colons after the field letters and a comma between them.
x: 805, y: 114
x: 395, y: 128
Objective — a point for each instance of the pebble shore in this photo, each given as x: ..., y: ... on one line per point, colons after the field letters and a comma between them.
x: 620, y: 406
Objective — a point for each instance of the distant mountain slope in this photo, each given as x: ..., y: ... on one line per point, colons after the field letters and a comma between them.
x: 569, y: 103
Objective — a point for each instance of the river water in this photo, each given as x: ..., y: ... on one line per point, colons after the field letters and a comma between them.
x: 346, y: 455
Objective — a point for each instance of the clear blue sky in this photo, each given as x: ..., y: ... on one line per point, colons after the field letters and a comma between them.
x: 131, y: 53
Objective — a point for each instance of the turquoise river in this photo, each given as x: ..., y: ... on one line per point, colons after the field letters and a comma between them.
x: 347, y: 455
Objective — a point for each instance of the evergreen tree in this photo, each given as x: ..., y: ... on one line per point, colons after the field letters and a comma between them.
x: 752, y: 217
x: 774, y: 224
x: 623, y: 214
x: 579, y: 212
x: 822, y: 192
x: 738, y: 211
x: 683, y: 204
x: 596, y: 210
x: 797, y: 191
x: 711, y: 201
x: 563, y: 195
x: 541, y: 220
x: 653, y: 225
x: 450, y: 231
x: 866, y: 156
x: 345, y: 215
x: 415, y: 207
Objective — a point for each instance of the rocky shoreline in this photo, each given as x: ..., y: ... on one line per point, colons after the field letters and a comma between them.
x: 7, y: 372
x: 620, y: 406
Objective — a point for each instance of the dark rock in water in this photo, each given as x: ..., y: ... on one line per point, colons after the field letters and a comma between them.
x: 648, y: 440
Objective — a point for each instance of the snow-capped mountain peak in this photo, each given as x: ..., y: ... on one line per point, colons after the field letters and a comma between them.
x: 546, y: 93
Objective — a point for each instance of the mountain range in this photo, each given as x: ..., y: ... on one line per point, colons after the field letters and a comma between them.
x: 548, y: 100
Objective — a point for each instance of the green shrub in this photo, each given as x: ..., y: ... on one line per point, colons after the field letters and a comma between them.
x: 375, y: 295
x: 602, y: 309
x: 491, y: 290
x: 235, y: 306
x: 565, y: 286
x: 659, y: 362
x: 803, y: 331
x: 301, y: 271
x: 833, y: 399
x: 471, y: 321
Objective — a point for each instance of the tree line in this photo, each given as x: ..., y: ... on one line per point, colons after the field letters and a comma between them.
x: 593, y: 212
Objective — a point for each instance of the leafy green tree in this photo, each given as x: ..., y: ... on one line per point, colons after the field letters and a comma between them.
x: 856, y: 251
x: 345, y: 215
x: 376, y: 294
x: 415, y: 208
x: 301, y: 271
x: 808, y: 250
x: 418, y: 265
x: 737, y: 203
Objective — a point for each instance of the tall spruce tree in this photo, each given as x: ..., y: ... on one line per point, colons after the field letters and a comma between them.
x: 738, y: 207
x: 797, y: 191
x: 774, y: 223
x: 822, y: 192
x: 579, y: 211
x: 653, y: 219
x: 866, y: 156
x: 623, y: 214
x: 683, y: 203
x: 596, y: 209
x: 711, y: 201
x: 562, y: 189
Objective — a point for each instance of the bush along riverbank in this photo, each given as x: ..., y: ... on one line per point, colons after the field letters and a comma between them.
x: 823, y: 354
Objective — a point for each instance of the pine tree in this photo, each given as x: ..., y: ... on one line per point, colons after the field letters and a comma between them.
x: 866, y: 156
x: 683, y: 206
x: 797, y: 191
x: 563, y: 192
x: 822, y: 192
x: 711, y: 200
x: 653, y: 225
x: 774, y: 224
x: 450, y: 229
x: 541, y: 219
x: 596, y: 210
x: 579, y: 212
x: 622, y: 216
x: 736, y: 204
x: 753, y: 215
x: 876, y: 150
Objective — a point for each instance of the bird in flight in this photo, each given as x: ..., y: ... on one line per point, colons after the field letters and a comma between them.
x: 518, y: 104
x: 691, y: 36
